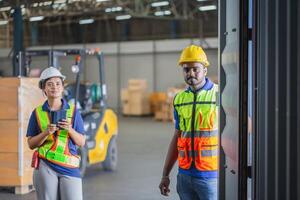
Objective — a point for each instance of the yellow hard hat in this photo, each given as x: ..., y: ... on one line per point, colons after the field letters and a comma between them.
x: 193, y: 53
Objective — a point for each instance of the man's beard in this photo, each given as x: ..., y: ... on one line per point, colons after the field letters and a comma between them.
x: 191, y: 81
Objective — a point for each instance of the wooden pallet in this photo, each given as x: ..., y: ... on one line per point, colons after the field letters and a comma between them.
x: 23, y: 189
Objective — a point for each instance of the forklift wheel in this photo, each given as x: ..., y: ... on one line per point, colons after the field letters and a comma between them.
x: 110, y: 162
x: 82, y: 152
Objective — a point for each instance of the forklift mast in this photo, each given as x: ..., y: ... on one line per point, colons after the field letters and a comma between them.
x: 24, y: 63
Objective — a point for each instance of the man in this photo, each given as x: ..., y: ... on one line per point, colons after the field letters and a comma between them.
x: 195, y: 141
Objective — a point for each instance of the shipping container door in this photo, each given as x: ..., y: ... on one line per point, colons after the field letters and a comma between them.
x: 233, y: 77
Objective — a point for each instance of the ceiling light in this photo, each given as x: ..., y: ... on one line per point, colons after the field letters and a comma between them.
x: 123, y: 17
x: 167, y: 12
x: 160, y: 3
x: 35, y: 5
x: 3, y: 22
x: 60, y: 1
x: 5, y: 8
x: 23, y: 10
x: 107, y: 9
x: 54, y: 6
x: 117, y: 9
x: 37, y: 18
x: 101, y: 0
x: 113, y: 9
x: 207, y: 8
x: 159, y: 13
x: 47, y: 3
x: 162, y: 13
x: 86, y: 21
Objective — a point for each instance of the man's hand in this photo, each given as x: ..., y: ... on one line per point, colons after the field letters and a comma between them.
x: 164, y: 185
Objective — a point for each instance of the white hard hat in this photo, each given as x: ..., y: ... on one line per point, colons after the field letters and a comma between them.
x: 49, y: 73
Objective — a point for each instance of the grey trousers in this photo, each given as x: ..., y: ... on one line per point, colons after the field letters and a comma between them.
x: 50, y: 185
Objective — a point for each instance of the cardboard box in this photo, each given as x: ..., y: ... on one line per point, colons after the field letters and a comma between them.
x: 137, y: 84
x: 124, y: 94
x: 158, y: 115
x: 138, y: 97
x: 156, y: 100
x: 171, y: 93
x: 140, y: 109
x: 126, y: 108
x: 135, y: 98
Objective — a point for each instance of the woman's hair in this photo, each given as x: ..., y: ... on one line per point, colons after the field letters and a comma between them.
x: 42, y: 83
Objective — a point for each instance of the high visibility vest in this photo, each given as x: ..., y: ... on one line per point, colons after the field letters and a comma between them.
x: 198, y: 123
x: 56, y: 149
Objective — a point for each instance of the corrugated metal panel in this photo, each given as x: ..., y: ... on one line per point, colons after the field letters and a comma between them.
x: 233, y: 17
x: 277, y: 173
x: 230, y: 95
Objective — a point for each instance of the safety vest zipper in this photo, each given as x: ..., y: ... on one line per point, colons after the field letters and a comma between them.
x: 193, y: 128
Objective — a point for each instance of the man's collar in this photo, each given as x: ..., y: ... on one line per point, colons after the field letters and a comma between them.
x: 65, y: 105
x: 207, y: 86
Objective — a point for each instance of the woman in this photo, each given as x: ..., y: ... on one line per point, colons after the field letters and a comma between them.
x: 58, y: 173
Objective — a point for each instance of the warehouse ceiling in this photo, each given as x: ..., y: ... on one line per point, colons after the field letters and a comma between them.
x: 178, y: 9
x: 177, y: 15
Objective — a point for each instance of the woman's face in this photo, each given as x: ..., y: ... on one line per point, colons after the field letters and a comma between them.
x: 54, y: 88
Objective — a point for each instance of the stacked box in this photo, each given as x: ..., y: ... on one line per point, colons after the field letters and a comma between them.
x: 125, y: 101
x: 19, y: 97
x: 156, y: 101
x: 171, y: 93
x: 137, y: 85
x: 165, y: 105
x: 135, y: 98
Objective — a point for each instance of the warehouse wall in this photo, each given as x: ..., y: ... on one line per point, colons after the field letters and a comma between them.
x: 155, y: 61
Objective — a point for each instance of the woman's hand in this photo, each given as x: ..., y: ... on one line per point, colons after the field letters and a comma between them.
x: 39, y: 139
x: 64, y: 124
x: 78, y: 138
x: 51, y: 129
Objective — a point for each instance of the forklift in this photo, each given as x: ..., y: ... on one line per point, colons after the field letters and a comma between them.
x: 100, y: 122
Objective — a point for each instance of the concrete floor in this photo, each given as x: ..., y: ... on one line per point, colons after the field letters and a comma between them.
x: 142, y: 144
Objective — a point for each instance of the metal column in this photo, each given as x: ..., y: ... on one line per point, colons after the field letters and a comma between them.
x: 18, y: 41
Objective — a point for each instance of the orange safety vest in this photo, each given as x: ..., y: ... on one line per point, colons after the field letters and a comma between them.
x: 198, y: 123
x: 56, y: 149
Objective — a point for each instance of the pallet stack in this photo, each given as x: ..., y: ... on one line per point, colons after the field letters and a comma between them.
x: 135, y: 98
x: 157, y: 100
x: 19, y: 96
x: 164, y: 104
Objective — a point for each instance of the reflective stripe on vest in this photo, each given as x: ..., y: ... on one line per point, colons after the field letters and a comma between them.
x: 198, y: 145
x: 204, y: 153
x: 200, y: 134
x: 56, y: 149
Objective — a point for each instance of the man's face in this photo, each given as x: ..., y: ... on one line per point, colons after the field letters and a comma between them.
x: 194, y: 73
